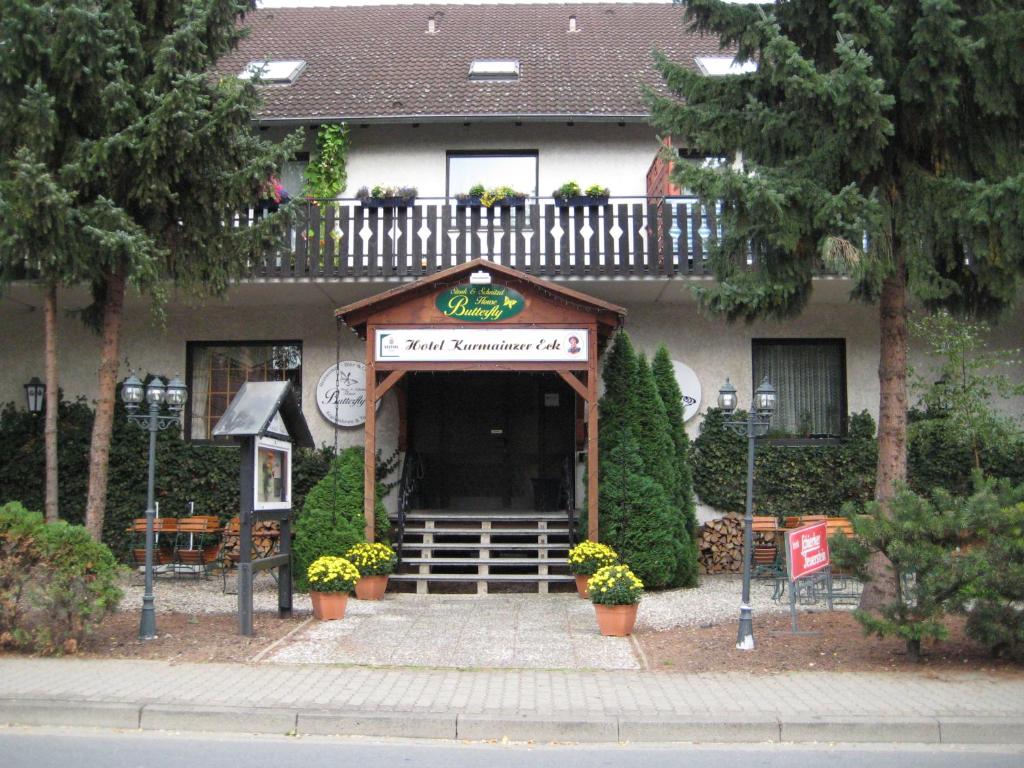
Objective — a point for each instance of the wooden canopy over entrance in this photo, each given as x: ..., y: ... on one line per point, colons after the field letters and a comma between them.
x: 455, y: 321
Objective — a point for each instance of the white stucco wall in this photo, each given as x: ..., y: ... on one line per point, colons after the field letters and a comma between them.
x: 304, y: 311
x: 405, y: 155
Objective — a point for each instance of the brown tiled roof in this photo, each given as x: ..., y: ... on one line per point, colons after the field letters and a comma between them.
x: 380, y: 62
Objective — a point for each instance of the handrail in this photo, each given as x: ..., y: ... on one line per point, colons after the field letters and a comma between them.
x: 412, y: 473
x: 624, y: 237
x: 567, y: 491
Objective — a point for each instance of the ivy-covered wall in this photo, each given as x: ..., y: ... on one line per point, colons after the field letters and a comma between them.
x: 790, y: 480
x: 204, y: 474
x: 817, y: 479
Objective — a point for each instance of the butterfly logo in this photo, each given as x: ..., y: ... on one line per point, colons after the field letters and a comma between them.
x: 509, y: 302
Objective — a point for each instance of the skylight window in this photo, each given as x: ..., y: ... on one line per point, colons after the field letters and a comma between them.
x: 717, y: 66
x: 494, y: 69
x: 273, y: 72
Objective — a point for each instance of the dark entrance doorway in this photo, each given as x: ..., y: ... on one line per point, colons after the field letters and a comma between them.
x: 490, y: 441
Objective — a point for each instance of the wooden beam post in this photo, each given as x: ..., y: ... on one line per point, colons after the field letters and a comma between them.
x: 370, y: 438
x: 592, y: 459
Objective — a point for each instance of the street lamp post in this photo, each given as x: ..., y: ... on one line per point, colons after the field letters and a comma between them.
x: 753, y: 426
x: 156, y: 394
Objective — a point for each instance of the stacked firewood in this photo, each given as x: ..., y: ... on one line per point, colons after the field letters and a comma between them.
x: 264, y: 540
x: 721, y: 544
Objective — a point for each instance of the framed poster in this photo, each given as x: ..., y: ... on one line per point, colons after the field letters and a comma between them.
x: 272, y: 477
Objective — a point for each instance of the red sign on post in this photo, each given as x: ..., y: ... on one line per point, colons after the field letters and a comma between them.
x: 807, y: 550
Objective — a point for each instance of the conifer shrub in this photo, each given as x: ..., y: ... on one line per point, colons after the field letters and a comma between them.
x: 683, y: 501
x: 56, y: 583
x: 994, y: 599
x: 639, y: 483
x: 919, y: 536
x: 950, y: 554
x: 332, y: 517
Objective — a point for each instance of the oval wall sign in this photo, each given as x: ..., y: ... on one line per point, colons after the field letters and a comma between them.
x: 341, y: 394
x: 480, y: 303
x: 690, y: 386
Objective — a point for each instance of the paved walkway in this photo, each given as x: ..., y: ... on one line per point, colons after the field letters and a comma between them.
x: 467, y: 631
x: 517, y: 704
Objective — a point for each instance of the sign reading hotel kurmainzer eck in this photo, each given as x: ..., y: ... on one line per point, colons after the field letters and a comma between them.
x: 341, y: 394
x: 808, y: 550
x: 456, y: 345
x: 480, y: 303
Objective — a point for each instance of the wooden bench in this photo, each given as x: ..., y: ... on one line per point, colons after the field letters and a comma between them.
x: 767, y: 562
x: 198, y: 543
x: 163, y: 548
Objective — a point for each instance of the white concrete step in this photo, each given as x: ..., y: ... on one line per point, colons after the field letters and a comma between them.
x: 512, y: 516
x: 492, y: 561
x: 500, y: 546
x: 475, y: 577
x: 449, y: 531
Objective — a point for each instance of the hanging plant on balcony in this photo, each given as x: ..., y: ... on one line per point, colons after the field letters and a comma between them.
x: 327, y: 174
x: 386, y: 197
x: 496, y: 197
x: 569, y: 195
x: 272, y: 196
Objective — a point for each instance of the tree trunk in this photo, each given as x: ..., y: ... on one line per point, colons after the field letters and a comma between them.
x: 52, y: 505
x: 102, y: 428
x: 892, y: 422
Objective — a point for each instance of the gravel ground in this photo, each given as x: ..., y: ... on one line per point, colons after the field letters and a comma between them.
x: 191, y: 595
x: 715, y: 600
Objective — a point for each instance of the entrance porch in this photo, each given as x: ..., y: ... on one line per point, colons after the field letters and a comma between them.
x: 497, y: 376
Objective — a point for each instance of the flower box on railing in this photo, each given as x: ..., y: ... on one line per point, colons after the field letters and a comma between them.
x: 387, y: 202
x: 581, y: 201
x: 516, y: 201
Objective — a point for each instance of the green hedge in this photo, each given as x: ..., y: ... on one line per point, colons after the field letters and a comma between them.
x: 791, y: 480
x: 940, y: 457
x: 204, y: 474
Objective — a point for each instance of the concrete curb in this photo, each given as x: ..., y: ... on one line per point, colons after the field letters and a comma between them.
x: 185, y: 717
x: 591, y: 729
x: 83, y: 714
x: 584, y: 727
x: 726, y: 729
x: 862, y: 730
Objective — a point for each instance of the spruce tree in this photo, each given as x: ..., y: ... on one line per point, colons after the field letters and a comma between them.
x: 880, y: 138
x: 121, y: 159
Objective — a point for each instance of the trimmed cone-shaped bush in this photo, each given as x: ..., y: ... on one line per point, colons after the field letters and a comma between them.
x: 332, y: 518
x: 683, y: 500
x: 636, y: 517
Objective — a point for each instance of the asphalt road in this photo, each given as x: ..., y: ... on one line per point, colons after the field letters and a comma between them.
x: 72, y: 748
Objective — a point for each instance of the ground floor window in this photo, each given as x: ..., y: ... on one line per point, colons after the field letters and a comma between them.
x: 810, y: 377
x: 217, y: 370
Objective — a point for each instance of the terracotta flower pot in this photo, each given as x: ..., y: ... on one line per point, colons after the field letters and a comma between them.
x: 371, y: 587
x: 581, y: 585
x: 328, y: 606
x: 616, y: 620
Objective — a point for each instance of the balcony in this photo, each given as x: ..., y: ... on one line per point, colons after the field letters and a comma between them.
x: 626, y: 238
